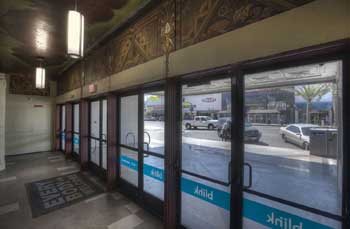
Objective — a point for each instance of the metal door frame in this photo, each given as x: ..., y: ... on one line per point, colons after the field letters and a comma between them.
x: 334, y: 51
x: 75, y: 155
x: 146, y: 200
x: 98, y: 169
x: 236, y: 139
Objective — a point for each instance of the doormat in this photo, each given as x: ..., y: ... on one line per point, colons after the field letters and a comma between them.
x: 51, y: 194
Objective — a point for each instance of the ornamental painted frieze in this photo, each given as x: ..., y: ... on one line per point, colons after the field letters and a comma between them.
x: 172, y: 25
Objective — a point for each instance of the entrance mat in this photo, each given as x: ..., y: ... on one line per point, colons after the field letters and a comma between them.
x: 51, y: 194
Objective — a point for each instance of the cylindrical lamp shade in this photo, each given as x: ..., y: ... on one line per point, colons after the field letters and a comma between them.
x: 40, y: 78
x: 75, y: 34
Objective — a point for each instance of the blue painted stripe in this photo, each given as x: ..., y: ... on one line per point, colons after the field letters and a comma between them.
x: 129, y: 162
x: 148, y: 170
x: 153, y: 172
x: 260, y: 213
x: 274, y: 218
x: 211, y: 195
x: 76, y: 140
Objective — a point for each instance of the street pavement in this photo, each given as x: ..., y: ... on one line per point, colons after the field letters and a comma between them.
x: 270, y: 136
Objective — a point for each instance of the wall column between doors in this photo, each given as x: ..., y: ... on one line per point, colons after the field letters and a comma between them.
x: 84, y: 134
x: 172, y: 143
x: 112, y: 130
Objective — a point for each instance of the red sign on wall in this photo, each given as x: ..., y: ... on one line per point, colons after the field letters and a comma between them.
x: 92, y: 88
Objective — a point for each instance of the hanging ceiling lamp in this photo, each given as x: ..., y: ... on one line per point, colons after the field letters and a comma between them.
x: 75, y: 33
x: 40, y: 76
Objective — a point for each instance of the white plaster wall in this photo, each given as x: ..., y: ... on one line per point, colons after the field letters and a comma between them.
x: 2, y: 120
x: 29, y: 123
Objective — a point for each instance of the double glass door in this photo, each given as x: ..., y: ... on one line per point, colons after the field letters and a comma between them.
x: 295, y: 176
x: 292, y: 139
x: 141, y: 146
x: 98, y: 136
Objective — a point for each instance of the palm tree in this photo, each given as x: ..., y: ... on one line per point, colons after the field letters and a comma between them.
x: 310, y: 93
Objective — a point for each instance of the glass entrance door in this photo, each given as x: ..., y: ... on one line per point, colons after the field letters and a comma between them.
x: 128, y: 139
x: 153, y: 150
x: 293, y: 148
x: 63, y: 128
x: 206, y: 154
x: 98, y: 136
x: 141, y: 146
x: 76, y: 130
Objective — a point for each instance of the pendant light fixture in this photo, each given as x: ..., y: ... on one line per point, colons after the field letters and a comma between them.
x: 75, y: 33
x: 40, y: 76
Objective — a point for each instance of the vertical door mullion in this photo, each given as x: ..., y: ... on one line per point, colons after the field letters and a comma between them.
x: 346, y: 128
x: 118, y: 175
x: 60, y: 127
x: 237, y: 149
x: 89, y: 118
x: 140, y: 142
x: 178, y: 162
x: 100, y: 132
x: 73, y: 129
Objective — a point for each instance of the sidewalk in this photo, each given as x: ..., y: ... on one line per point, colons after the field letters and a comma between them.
x: 264, y: 124
x: 295, y: 154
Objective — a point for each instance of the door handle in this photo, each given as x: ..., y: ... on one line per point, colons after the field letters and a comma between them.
x: 133, y: 137
x: 250, y: 168
x: 147, y: 145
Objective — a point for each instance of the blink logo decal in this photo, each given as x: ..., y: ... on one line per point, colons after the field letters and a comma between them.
x: 275, y: 218
x: 157, y: 174
x: 204, y: 193
x: 280, y: 222
x: 76, y: 140
x: 153, y: 172
x: 148, y: 170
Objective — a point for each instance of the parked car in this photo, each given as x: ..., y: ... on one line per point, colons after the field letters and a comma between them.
x: 201, y: 121
x: 298, y: 134
x: 251, y: 134
x: 149, y: 118
x: 221, y: 122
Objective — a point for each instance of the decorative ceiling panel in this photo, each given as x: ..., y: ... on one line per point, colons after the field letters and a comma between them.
x: 33, y: 28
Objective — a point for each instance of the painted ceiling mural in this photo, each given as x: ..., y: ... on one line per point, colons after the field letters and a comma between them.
x: 37, y: 28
